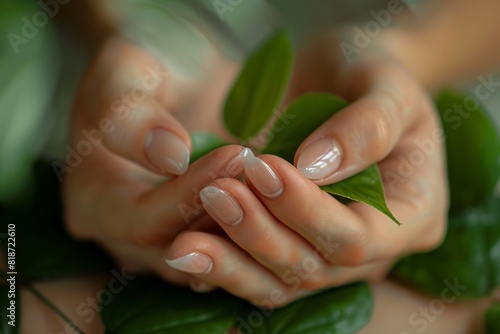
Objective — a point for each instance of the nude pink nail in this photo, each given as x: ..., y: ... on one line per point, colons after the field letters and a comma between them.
x: 263, y: 178
x: 166, y: 151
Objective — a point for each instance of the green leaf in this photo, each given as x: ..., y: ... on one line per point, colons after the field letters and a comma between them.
x: 469, y: 255
x: 259, y: 88
x: 148, y: 305
x: 5, y: 328
x: 365, y: 187
x: 342, y: 310
x: 492, y: 319
x: 299, y: 119
x: 302, y: 117
x: 204, y: 143
x: 473, y: 149
x: 44, y: 248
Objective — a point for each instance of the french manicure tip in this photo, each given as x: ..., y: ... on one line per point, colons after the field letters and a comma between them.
x: 193, y: 263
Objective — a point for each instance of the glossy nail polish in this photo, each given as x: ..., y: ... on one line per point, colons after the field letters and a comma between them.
x: 264, y: 179
x: 221, y: 204
x: 167, y: 151
x: 320, y: 159
x: 236, y: 166
x: 193, y: 263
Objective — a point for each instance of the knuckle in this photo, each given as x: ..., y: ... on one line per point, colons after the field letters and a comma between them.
x: 435, y: 235
x: 383, y: 125
x: 352, y: 255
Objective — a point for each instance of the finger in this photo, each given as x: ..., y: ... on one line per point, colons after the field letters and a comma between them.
x: 332, y: 228
x: 357, y: 233
x: 218, y: 261
x: 252, y: 227
x: 128, y: 113
x: 201, y: 286
x: 172, y: 206
x: 364, y: 132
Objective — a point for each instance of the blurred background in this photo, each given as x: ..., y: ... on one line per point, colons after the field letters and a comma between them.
x: 48, y: 44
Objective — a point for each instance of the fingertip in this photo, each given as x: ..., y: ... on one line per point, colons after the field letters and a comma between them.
x: 166, y: 151
x: 320, y: 160
x: 200, y: 286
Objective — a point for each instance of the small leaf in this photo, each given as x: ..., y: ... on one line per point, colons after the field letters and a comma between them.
x: 492, y: 319
x: 149, y: 305
x: 204, y: 143
x: 342, y: 310
x: 365, y: 187
x: 469, y: 255
x: 472, y: 149
x: 259, y: 88
x: 302, y: 117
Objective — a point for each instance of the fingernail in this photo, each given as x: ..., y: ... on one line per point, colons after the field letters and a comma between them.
x: 200, y: 286
x: 263, y: 178
x: 320, y: 159
x: 167, y: 151
x: 236, y: 166
x: 193, y: 263
x: 221, y: 204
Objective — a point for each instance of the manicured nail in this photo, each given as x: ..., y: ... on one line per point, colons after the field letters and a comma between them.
x: 167, y: 151
x: 263, y: 178
x: 193, y: 263
x: 320, y: 159
x: 236, y: 166
x: 200, y: 286
x: 219, y: 203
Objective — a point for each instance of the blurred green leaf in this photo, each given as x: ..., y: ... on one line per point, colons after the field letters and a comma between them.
x: 301, y: 118
x: 204, y: 143
x: 259, y: 88
x: 493, y: 319
x: 44, y: 250
x: 149, y: 305
x: 473, y: 150
x: 469, y: 255
x: 342, y: 310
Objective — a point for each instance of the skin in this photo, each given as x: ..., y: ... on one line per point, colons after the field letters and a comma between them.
x: 394, y: 111
x: 132, y: 210
x: 394, y: 304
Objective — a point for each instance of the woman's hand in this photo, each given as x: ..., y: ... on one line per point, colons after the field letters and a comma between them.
x: 288, y: 237
x: 129, y: 190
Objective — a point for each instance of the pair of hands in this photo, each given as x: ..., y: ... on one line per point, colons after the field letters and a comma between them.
x: 277, y: 236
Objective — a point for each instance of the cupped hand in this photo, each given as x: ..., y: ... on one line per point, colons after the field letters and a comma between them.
x: 289, y: 238
x: 129, y: 189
